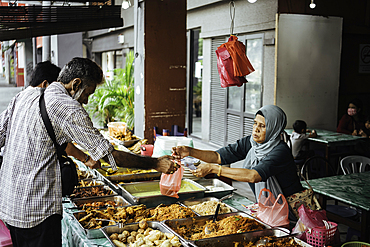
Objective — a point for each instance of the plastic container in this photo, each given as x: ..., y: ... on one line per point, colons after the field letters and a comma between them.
x: 320, y: 237
x: 147, y: 150
x: 5, y: 239
x: 355, y: 244
x: 116, y: 127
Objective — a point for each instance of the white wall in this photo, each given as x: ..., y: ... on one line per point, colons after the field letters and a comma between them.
x: 308, y: 66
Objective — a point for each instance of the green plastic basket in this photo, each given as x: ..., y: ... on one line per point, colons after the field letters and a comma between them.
x: 355, y: 244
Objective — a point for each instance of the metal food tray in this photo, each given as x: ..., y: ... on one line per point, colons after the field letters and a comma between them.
x: 113, y: 193
x: 87, y: 174
x: 119, y: 200
x: 127, y: 178
x: 129, y: 190
x: 96, y: 181
x: 196, y: 201
x: 108, y: 230
x: 201, y: 220
x: 242, y: 238
x: 227, y: 189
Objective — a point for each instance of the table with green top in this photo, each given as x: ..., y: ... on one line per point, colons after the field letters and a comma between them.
x: 330, y: 140
x: 74, y: 235
x: 352, y: 189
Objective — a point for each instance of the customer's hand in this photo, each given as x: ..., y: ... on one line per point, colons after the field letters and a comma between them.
x: 166, y: 165
x: 354, y: 133
x: 202, y: 170
x: 93, y: 164
x: 180, y: 152
x: 362, y: 133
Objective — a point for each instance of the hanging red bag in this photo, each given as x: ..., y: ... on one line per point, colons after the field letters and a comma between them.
x: 271, y: 211
x: 232, y: 63
x: 225, y: 69
x: 170, y: 184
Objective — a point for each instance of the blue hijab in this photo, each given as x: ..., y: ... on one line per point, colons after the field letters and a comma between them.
x: 275, y: 120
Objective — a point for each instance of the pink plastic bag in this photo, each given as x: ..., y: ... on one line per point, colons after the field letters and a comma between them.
x: 308, y: 219
x: 5, y: 239
x: 270, y: 211
x: 170, y: 184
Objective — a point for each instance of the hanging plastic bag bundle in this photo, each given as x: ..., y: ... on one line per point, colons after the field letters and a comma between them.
x: 170, y: 184
x: 232, y: 63
x: 271, y: 211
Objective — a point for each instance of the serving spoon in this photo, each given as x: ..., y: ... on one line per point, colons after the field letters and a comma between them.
x: 206, y: 230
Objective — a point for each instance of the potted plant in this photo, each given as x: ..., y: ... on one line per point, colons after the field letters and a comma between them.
x: 114, y: 100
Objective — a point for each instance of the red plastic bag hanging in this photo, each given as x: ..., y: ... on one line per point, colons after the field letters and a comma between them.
x: 170, y: 184
x: 270, y: 211
x: 232, y: 63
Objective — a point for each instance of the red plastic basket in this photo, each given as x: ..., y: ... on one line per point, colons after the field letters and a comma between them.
x: 320, y: 237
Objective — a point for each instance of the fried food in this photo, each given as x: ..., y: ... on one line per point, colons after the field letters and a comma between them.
x: 90, y: 191
x: 273, y: 242
x: 229, y: 225
x: 136, y: 148
x: 209, y: 208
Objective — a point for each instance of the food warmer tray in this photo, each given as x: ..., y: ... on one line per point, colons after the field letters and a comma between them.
x: 242, y: 238
x: 156, y: 225
x: 215, y: 187
x: 152, y: 196
x: 127, y: 178
x: 119, y: 200
x: 112, y: 193
x: 195, y: 201
x: 201, y: 220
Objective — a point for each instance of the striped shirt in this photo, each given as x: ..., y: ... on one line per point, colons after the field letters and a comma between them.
x: 30, y: 180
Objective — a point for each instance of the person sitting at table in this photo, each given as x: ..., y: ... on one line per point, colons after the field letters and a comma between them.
x: 298, y: 138
x: 268, y: 160
x: 353, y: 121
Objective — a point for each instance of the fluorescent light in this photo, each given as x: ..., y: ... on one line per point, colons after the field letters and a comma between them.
x: 312, y: 5
x: 252, y: 1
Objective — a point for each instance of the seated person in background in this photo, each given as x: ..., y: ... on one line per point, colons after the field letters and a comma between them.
x: 353, y: 121
x: 365, y: 132
x: 299, y: 137
x: 268, y: 160
x: 362, y: 146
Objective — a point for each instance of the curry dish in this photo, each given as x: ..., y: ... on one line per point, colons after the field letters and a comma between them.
x: 229, y: 225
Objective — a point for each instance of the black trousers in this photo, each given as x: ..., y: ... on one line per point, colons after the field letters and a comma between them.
x: 46, y: 234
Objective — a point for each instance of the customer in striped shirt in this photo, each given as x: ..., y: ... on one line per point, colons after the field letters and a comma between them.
x: 30, y: 180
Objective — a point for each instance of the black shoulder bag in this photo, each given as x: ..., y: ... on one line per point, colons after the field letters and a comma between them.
x: 67, y: 166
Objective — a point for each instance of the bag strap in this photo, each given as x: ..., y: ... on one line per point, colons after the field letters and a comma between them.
x: 47, y: 123
x: 306, y: 181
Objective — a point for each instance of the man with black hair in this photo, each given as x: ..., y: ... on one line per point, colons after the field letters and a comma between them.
x: 30, y: 179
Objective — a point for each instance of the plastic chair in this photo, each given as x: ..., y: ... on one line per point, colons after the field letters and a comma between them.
x: 354, y: 164
x: 315, y: 167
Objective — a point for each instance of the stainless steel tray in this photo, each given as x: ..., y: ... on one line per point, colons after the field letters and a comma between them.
x: 112, y: 193
x: 223, y: 188
x: 196, y: 201
x: 125, y: 143
x: 119, y: 200
x: 242, y: 238
x: 148, y: 193
x: 201, y: 220
x: 127, y: 178
x: 108, y: 230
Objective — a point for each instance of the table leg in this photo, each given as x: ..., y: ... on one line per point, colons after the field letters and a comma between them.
x: 365, y: 228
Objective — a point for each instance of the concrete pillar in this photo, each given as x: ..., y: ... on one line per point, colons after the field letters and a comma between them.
x: 46, y: 39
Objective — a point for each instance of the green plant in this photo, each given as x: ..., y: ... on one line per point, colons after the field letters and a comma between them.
x: 114, y: 100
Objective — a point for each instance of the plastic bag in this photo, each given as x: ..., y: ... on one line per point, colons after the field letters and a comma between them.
x: 170, y: 184
x: 232, y: 63
x: 225, y: 69
x: 273, y: 212
x: 309, y: 219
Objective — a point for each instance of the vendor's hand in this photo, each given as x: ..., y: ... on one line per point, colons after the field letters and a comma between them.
x: 93, y: 164
x: 202, y: 170
x: 180, y: 152
x: 166, y: 165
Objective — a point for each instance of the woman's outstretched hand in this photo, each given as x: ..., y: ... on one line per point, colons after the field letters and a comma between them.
x: 202, y: 170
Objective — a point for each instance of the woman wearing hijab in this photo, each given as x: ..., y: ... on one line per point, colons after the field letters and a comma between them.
x: 268, y: 160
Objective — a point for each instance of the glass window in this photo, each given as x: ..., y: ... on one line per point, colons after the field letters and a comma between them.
x: 253, y: 87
